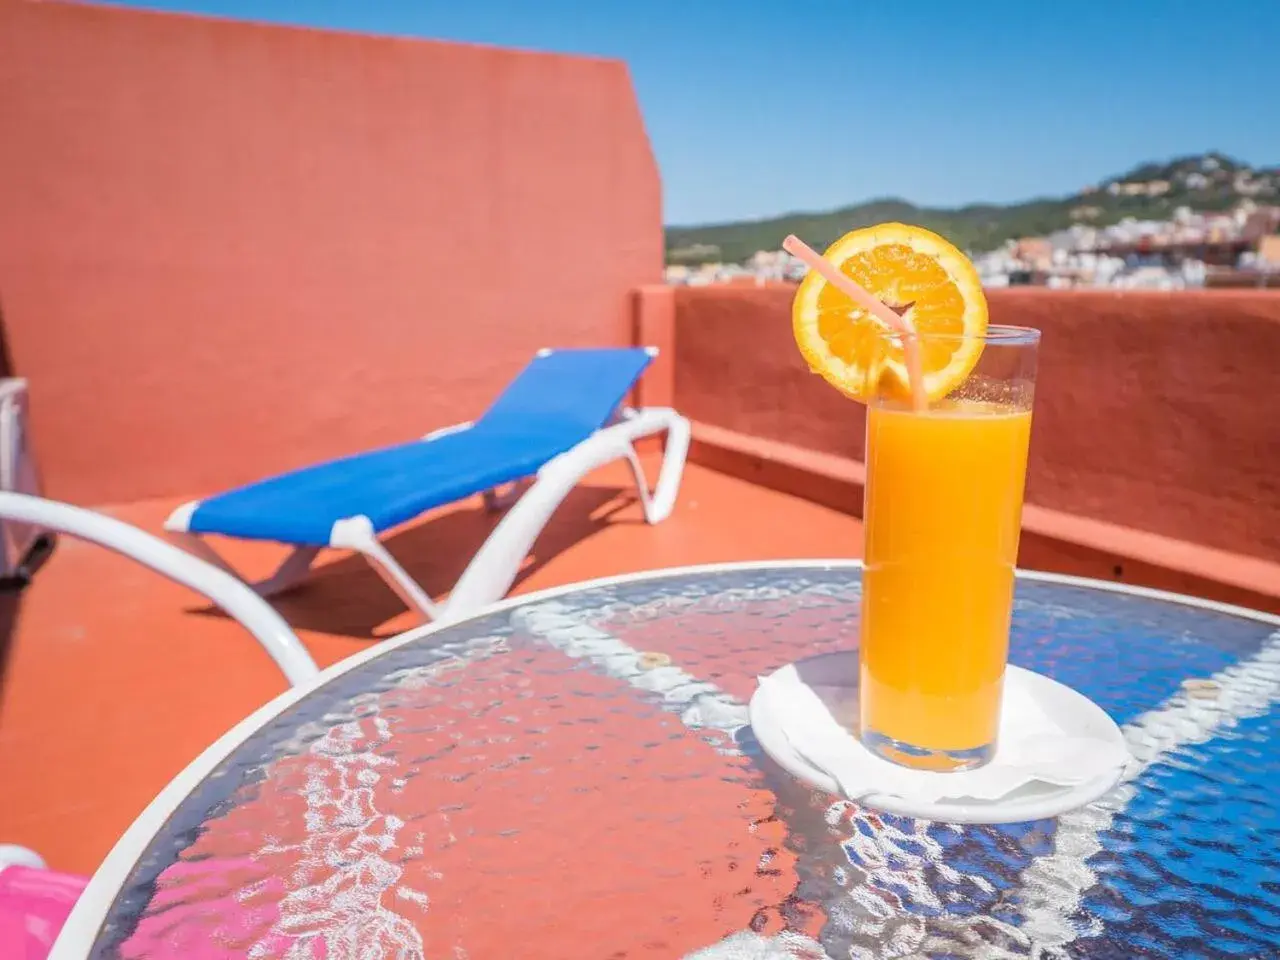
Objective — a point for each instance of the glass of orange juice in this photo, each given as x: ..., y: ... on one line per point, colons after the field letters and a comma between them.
x: 941, y: 520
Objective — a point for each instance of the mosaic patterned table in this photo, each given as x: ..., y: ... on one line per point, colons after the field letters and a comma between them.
x: 570, y: 775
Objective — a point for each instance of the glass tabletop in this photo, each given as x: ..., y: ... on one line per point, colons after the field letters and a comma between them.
x: 573, y: 776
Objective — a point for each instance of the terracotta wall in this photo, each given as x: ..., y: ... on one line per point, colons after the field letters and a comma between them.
x: 228, y: 249
x: 1155, y: 411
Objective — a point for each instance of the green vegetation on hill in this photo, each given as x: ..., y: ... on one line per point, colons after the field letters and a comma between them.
x: 1204, y: 183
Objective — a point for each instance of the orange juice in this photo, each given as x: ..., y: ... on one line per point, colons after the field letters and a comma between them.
x: 942, y: 515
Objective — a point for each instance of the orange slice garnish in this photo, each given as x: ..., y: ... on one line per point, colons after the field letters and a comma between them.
x: 919, y: 274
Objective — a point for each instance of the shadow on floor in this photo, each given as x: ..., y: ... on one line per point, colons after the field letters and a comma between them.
x: 346, y: 596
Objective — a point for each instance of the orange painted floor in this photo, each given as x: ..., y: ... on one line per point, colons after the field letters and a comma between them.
x: 114, y: 678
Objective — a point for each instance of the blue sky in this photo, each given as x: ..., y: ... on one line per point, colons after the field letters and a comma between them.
x: 758, y: 108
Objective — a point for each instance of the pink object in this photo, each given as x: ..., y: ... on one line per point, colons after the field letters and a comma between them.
x: 34, y: 905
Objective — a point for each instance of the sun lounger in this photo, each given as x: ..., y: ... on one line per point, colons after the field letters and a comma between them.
x: 559, y: 419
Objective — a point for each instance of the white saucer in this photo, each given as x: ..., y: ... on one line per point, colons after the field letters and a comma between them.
x: 834, y: 677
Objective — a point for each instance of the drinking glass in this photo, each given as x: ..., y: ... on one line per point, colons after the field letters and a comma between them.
x: 941, y: 519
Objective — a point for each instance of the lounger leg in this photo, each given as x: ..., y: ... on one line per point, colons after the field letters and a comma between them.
x: 659, y: 504
x: 356, y: 533
x: 292, y: 571
x: 495, y: 501
x: 494, y: 567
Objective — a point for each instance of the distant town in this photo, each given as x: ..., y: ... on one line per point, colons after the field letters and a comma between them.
x: 1238, y: 245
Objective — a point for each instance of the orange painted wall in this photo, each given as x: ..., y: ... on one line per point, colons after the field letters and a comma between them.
x: 229, y: 249
x: 1155, y: 411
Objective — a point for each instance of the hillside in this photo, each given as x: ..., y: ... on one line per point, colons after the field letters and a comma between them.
x: 1152, y: 191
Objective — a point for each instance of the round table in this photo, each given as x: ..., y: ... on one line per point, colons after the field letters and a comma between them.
x: 570, y: 775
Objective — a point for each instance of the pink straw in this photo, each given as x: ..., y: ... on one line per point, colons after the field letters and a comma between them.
x: 881, y: 311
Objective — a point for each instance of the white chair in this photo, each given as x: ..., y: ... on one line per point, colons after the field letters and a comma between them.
x: 231, y: 594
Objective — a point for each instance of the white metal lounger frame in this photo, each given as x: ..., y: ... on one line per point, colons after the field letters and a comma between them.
x: 229, y: 593
x: 494, y: 567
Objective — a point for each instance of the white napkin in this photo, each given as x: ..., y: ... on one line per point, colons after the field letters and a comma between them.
x: 1031, y: 748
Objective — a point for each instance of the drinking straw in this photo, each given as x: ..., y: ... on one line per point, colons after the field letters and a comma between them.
x: 874, y: 306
